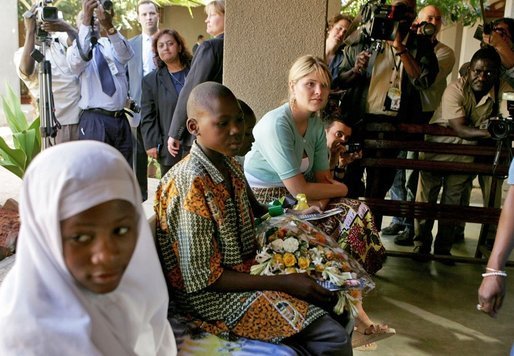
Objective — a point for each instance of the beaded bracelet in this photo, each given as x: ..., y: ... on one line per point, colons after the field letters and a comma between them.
x: 498, y: 273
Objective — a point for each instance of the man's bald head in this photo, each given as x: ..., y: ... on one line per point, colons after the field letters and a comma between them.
x: 204, y: 95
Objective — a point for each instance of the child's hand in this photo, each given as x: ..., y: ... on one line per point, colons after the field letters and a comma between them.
x: 303, y: 287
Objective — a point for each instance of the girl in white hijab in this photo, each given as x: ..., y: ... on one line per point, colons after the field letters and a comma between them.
x: 87, y: 279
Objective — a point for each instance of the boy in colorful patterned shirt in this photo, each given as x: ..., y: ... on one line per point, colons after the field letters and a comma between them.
x: 206, y: 238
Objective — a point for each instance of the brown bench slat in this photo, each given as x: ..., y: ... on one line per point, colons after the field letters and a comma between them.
x: 439, y: 166
x: 433, y: 147
x: 433, y: 211
x: 418, y: 129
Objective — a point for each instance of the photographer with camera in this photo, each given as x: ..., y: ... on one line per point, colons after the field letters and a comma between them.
x: 466, y: 105
x: 384, y: 76
x: 100, y: 64
x: 341, y: 151
x: 499, y: 34
x: 405, y: 183
x: 58, y: 34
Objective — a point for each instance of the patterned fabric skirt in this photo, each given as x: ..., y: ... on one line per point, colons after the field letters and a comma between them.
x: 354, y: 228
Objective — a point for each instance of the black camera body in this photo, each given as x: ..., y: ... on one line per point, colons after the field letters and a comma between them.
x: 45, y: 13
x: 486, y: 29
x: 132, y: 105
x: 502, y: 127
x: 381, y: 21
x: 107, y: 4
x: 353, y: 147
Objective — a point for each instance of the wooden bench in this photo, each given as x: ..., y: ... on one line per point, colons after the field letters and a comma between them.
x: 408, y: 137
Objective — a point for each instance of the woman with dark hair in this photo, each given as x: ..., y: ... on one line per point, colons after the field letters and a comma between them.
x: 161, y: 89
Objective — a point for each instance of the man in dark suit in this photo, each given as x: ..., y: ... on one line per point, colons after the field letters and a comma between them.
x: 141, y: 64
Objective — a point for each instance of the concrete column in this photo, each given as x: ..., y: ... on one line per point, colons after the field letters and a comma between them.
x: 9, y: 45
x: 262, y: 40
x: 509, y: 9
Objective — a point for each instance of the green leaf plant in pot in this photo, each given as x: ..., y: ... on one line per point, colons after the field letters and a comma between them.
x: 26, y: 136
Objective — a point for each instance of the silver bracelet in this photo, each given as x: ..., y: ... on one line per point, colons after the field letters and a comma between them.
x: 497, y: 273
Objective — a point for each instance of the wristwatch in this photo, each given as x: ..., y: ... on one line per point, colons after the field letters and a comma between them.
x: 111, y: 31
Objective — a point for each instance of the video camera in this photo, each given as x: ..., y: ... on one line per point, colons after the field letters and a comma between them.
x: 502, y: 127
x: 43, y: 13
x: 380, y: 21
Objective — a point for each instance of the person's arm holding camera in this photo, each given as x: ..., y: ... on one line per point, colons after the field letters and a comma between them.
x: 77, y: 63
x: 502, y: 46
x: 466, y: 132
x: 122, y: 50
x: 27, y: 63
x: 353, y: 66
x: 61, y: 26
x: 410, y: 64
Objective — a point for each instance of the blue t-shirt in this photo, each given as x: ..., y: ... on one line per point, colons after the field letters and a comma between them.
x: 278, y: 149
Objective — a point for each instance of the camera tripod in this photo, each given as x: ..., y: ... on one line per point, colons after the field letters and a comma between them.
x: 48, y: 122
x: 501, y: 144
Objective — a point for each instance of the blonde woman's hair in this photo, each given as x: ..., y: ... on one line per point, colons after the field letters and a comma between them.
x: 308, y: 64
x: 217, y: 5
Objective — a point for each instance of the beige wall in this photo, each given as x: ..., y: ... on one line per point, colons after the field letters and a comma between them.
x: 262, y: 39
x: 179, y: 18
x: 9, y: 44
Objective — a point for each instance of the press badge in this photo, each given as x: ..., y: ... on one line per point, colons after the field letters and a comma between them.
x: 112, y: 67
x: 392, y: 100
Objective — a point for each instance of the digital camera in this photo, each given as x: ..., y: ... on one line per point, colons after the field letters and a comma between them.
x: 502, y: 127
x: 486, y: 29
x: 353, y: 147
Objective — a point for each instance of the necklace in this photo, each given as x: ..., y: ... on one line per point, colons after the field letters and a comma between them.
x: 177, y: 77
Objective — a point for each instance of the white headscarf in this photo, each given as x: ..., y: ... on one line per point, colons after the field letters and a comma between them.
x: 43, y: 311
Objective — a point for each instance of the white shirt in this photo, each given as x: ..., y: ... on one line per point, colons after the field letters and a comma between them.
x: 65, y: 84
x: 117, y: 53
x: 148, y: 63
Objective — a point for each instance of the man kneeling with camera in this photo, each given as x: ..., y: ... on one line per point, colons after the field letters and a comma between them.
x: 467, y: 105
x: 100, y: 63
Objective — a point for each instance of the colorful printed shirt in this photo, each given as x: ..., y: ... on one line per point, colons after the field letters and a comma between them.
x: 202, y: 229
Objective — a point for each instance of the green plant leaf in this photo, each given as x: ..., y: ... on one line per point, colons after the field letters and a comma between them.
x: 12, y: 159
x: 13, y: 113
x: 26, y: 137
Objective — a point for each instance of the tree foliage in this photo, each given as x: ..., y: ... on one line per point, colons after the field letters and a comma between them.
x: 125, y: 10
x: 464, y: 12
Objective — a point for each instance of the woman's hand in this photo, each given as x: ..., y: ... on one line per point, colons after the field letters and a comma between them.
x: 152, y: 152
x: 303, y: 287
x: 491, y: 294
